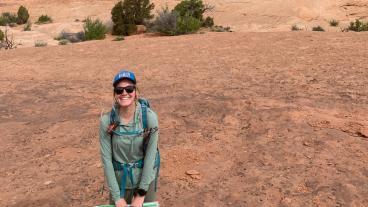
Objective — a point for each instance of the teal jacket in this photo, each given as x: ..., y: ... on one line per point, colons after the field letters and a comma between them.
x: 128, y: 149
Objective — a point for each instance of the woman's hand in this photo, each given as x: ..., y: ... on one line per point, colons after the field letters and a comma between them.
x: 121, y: 203
x: 138, y: 201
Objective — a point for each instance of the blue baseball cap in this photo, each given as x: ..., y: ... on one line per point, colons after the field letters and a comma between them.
x: 124, y: 74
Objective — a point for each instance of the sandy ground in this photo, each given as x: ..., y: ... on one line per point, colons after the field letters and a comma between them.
x: 240, y: 15
x: 267, y: 119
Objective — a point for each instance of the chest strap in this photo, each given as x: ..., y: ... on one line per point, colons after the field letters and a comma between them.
x: 127, y: 169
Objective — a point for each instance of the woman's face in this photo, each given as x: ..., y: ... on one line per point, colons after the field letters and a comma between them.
x: 125, y: 93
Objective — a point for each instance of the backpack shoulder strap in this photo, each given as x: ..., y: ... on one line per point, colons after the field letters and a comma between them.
x: 144, y: 116
x: 147, y: 135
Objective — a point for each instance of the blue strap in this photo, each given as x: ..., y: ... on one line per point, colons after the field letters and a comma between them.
x: 127, y: 169
x: 144, y: 116
x: 123, y: 182
x: 128, y: 133
x: 157, y: 164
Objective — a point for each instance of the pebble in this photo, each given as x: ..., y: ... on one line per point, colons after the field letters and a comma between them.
x: 364, y: 132
x: 192, y: 172
x: 47, y: 182
x: 196, y: 177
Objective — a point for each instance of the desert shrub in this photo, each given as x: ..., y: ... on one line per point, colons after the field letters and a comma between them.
x: 8, y: 41
x: 208, y: 22
x: 189, y: 9
x: 217, y: 28
x: 28, y: 26
x: 165, y: 23
x: 71, y: 37
x: 120, y: 22
x: 63, y: 42
x: 194, y: 8
x: 318, y: 29
x: 358, y: 26
x: 296, y: 28
x: 8, y: 18
x: 334, y: 23
x: 40, y: 43
x: 129, y: 13
x: 12, y: 18
x: 2, y: 35
x: 23, y: 15
x: 94, y: 29
x: 3, y: 21
x: 44, y: 19
x: 188, y: 24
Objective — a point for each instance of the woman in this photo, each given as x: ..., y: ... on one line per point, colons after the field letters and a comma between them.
x: 128, y: 148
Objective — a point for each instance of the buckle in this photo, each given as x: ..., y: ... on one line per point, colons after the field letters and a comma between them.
x: 132, y: 165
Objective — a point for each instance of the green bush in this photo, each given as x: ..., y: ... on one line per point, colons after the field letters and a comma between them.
x: 128, y: 13
x: 28, y: 26
x: 171, y: 23
x: 117, y: 19
x: 208, y: 22
x: 318, y: 29
x: 94, y: 30
x: 188, y: 24
x: 334, y: 23
x: 358, y: 26
x: 12, y: 18
x: 165, y: 23
x: 2, y: 35
x: 23, y: 15
x: 3, y: 21
x: 44, y: 19
x: 194, y: 8
x: 8, y: 18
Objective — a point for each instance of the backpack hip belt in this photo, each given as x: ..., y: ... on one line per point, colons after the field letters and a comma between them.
x: 127, y: 169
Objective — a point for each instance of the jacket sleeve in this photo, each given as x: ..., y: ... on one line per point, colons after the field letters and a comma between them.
x: 106, y: 156
x: 149, y: 172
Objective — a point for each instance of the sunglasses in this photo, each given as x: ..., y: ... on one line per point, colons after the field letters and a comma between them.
x: 128, y: 89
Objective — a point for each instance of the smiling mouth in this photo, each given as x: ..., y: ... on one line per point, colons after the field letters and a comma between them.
x: 125, y: 98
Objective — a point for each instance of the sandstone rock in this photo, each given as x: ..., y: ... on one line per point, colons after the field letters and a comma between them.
x: 363, y: 132
x: 196, y: 177
x: 47, y: 182
x: 192, y: 172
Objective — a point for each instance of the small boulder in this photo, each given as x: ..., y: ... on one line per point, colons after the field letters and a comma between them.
x: 363, y: 132
x: 192, y: 172
x: 47, y: 182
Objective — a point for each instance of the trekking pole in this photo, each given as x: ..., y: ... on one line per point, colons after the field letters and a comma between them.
x: 149, y: 204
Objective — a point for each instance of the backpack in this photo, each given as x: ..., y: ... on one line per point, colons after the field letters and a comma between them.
x: 114, y: 122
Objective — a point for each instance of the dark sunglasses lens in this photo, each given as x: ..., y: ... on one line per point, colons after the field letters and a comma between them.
x: 129, y: 89
x: 119, y: 90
